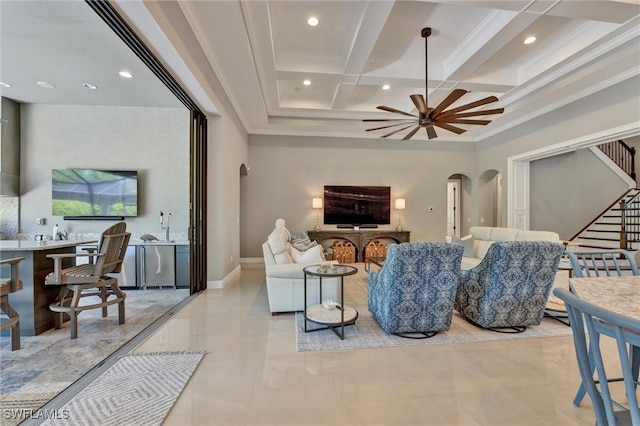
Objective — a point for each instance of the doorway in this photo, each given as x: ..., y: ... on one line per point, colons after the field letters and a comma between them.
x: 453, y: 207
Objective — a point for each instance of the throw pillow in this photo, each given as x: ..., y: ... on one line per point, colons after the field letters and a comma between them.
x: 302, y: 242
x: 466, y: 242
x: 313, y: 255
x: 284, y: 257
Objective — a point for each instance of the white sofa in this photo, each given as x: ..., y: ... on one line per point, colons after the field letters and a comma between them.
x: 480, y: 238
x: 285, y: 285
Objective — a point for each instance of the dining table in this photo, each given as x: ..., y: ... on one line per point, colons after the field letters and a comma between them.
x: 33, y: 300
x: 619, y: 294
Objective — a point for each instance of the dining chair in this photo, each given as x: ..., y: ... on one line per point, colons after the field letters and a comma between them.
x: 589, y: 319
x: 9, y: 285
x: 603, y: 263
x: 89, y: 280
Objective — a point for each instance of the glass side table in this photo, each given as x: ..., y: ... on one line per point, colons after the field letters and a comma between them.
x: 333, y: 317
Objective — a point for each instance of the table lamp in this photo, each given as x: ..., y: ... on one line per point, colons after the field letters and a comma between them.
x: 316, y: 203
x: 399, y: 207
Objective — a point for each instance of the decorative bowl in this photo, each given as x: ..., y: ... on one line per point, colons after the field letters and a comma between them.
x: 329, y: 304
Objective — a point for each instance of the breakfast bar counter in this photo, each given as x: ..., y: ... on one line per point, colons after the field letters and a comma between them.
x: 32, y: 302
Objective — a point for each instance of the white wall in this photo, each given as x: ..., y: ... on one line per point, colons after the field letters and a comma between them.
x: 154, y: 141
x: 287, y: 172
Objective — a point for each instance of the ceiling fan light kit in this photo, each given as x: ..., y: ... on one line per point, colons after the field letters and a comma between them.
x: 428, y: 118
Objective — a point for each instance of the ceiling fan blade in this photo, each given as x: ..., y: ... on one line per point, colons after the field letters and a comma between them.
x: 418, y: 101
x: 411, y: 133
x: 397, y: 111
x: 431, y: 132
x: 386, y: 127
x: 463, y: 121
x: 367, y: 120
x: 453, y: 96
x: 475, y: 104
x: 454, y: 129
x: 396, y: 131
x: 472, y: 113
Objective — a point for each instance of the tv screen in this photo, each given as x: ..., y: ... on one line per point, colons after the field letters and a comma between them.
x: 94, y: 193
x: 357, y: 205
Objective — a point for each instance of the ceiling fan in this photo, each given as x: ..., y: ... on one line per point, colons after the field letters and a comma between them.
x: 438, y: 116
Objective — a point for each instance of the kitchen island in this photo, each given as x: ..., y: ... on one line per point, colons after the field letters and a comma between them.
x: 32, y: 302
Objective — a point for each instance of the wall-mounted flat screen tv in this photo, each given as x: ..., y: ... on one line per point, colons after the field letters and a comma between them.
x: 94, y: 193
x: 357, y: 205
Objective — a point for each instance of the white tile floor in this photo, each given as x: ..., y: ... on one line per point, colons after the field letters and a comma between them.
x: 254, y: 376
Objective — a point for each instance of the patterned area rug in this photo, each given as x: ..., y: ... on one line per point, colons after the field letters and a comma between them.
x: 138, y: 389
x: 366, y: 333
x: 16, y: 408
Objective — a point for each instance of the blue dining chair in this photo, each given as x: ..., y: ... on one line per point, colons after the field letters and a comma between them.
x: 603, y: 263
x: 587, y: 318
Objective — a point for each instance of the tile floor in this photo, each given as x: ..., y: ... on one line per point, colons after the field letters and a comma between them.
x: 254, y: 376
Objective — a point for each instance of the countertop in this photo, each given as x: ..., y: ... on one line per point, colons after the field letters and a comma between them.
x: 32, y: 245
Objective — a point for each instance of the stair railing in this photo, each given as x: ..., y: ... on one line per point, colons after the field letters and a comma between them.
x: 630, y: 222
x: 621, y: 154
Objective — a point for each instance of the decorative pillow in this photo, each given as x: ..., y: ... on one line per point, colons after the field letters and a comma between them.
x: 466, y: 242
x: 312, y: 255
x: 284, y: 257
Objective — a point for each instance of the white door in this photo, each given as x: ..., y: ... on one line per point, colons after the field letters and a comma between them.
x: 453, y: 207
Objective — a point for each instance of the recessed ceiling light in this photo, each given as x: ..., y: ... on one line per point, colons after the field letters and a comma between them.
x: 45, y: 84
x: 307, y: 82
x: 89, y: 86
x: 3, y: 84
x: 529, y: 39
x: 313, y: 21
x: 125, y: 74
x: 386, y: 87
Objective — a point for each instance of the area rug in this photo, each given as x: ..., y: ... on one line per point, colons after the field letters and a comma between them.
x: 18, y: 407
x: 366, y: 333
x: 138, y: 389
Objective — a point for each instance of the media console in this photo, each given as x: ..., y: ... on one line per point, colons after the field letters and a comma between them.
x: 359, y: 238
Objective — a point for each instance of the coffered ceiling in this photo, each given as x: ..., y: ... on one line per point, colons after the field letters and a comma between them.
x: 263, y: 51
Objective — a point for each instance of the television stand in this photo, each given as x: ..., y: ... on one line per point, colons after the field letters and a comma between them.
x: 359, y: 238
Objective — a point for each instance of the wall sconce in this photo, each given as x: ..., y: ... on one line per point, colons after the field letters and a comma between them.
x: 399, y: 206
x: 316, y: 203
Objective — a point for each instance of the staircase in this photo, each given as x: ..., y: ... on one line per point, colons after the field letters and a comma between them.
x: 618, y: 227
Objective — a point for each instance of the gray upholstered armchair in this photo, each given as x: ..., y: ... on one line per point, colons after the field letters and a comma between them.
x: 415, y: 289
x: 510, y: 287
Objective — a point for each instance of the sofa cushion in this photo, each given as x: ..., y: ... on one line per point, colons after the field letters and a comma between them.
x: 466, y: 242
x: 312, y: 255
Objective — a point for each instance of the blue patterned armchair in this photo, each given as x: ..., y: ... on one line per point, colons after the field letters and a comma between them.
x: 510, y: 287
x: 415, y: 289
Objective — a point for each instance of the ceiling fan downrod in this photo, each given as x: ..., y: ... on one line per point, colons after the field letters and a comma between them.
x: 426, y: 32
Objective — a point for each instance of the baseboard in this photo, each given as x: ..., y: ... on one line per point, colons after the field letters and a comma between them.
x: 231, y: 277
x: 252, y: 262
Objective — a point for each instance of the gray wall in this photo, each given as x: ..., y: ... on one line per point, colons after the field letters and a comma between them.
x: 154, y: 141
x: 287, y: 172
x: 610, y: 108
x: 568, y: 191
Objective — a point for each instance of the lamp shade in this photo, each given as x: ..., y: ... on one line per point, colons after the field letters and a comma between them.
x: 399, y: 203
x: 316, y: 203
